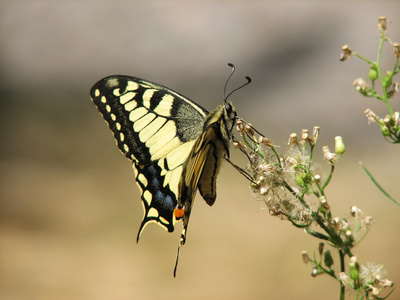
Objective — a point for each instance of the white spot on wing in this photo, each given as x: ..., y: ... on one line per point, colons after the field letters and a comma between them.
x: 179, y: 155
x: 143, y: 122
x: 132, y: 86
x: 152, y: 213
x: 164, y: 146
x: 127, y: 97
x: 147, y: 97
x: 157, y: 123
x: 137, y: 113
x: 165, y: 105
x: 130, y: 105
x: 112, y: 82
x: 142, y: 179
x: 147, y: 196
x: 165, y: 138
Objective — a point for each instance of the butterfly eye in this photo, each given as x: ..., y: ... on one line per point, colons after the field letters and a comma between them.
x: 229, y: 110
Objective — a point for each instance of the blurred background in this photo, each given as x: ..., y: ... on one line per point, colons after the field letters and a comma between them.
x: 69, y: 206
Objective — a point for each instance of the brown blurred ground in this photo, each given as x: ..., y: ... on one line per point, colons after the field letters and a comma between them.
x: 69, y: 207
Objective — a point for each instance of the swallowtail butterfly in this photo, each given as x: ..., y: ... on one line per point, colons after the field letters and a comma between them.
x: 176, y: 146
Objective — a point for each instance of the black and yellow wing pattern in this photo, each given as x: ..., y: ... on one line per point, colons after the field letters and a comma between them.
x: 175, y: 145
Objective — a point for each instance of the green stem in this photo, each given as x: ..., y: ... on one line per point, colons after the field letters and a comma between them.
x: 342, y: 287
x: 363, y: 58
x: 329, y: 177
x: 378, y: 186
x: 382, y: 79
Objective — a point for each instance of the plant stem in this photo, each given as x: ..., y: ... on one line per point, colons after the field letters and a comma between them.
x: 382, y: 79
x: 342, y: 287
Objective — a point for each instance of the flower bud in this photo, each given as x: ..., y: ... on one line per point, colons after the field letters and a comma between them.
x: 387, y: 81
x: 321, y: 248
x: 339, y: 145
x: 385, y: 131
x: 354, y: 268
x: 299, y: 180
x: 373, y: 73
x: 328, y: 260
x: 305, y: 256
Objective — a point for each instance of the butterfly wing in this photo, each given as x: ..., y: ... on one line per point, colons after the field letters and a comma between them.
x: 156, y: 128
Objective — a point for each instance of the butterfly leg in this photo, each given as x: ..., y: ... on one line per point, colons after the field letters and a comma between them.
x: 239, y: 169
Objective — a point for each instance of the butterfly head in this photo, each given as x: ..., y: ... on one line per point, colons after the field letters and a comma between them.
x: 229, y: 119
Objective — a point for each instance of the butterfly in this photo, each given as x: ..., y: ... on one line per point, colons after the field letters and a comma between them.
x: 175, y: 145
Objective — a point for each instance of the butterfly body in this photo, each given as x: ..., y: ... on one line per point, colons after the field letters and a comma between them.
x: 175, y: 145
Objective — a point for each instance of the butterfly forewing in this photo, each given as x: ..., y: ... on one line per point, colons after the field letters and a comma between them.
x: 156, y: 128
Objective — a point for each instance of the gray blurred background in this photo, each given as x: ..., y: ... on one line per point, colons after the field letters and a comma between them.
x: 69, y: 206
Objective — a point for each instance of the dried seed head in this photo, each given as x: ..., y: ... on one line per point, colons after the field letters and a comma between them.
x: 396, y: 118
x: 293, y: 140
x: 372, y: 117
x: 316, y: 130
x: 396, y: 49
x: 249, y: 129
x: 344, y: 278
x: 317, y: 178
x: 393, y: 89
x: 329, y: 156
x: 362, y: 87
x: 239, y: 145
x: 355, y: 211
x: 239, y: 126
x: 304, y: 134
x: 382, y: 23
x: 386, y: 282
x: 346, y: 53
x: 367, y: 222
x: 265, y: 141
x: 324, y: 203
x: 305, y: 256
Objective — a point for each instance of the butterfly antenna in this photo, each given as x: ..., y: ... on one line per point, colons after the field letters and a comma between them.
x: 229, y: 78
x: 226, y: 83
